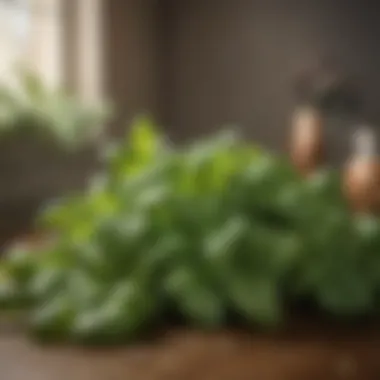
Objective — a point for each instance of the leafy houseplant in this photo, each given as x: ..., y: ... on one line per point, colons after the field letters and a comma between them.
x: 29, y: 106
x: 216, y: 228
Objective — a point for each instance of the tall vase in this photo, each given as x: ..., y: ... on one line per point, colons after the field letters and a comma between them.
x: 306, y: 140
x: 361, y: 179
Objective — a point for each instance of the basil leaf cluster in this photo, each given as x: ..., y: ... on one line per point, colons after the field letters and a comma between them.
x: 215, y: 230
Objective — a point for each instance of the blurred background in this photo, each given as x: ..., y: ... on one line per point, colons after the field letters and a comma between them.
x: 194, y: 65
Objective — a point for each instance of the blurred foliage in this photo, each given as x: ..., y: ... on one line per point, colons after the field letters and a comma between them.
x: 217, y: 227
x: 29, y: 106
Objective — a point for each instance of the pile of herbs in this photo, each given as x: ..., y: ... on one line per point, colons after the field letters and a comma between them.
x: 216, y: 228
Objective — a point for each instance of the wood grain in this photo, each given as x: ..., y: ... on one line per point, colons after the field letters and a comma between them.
x: 299, y: 354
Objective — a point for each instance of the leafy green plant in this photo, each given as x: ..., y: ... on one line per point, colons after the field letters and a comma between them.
x: 214, y: 228
x: 29, y: 106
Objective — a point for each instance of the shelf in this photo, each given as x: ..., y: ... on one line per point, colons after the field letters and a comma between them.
x: 302, y: 354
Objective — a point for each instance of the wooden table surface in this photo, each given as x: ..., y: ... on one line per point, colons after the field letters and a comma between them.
x: 324, y: 354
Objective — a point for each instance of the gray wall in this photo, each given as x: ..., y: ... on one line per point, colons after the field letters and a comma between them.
x: 132, y: 48
x: 235, y: 61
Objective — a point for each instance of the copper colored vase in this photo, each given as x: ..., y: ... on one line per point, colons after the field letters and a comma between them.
x: 306, y: 140
x: 361, y: 179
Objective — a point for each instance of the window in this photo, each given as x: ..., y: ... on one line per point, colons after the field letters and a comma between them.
x: 89, y: 48
x: 14, y: 32
x: 33, y: 33
x: 45, y: 40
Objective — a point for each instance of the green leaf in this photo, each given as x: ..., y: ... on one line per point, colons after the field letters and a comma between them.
x: 125, y: 311
x: 47, y: 282
x: 255, y: 297
x: 145, y: 144
x: 222, y: 243
x: 197, y: 300
x: 52, y: 319
x: 20, y: 263
x: 12, y: 295
x: 347, y: 293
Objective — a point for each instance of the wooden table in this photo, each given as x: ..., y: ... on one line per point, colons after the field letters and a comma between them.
x: 299, y: 354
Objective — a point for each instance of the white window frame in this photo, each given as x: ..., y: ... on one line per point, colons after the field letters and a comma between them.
x: 45, y: 53
x: 89, y: 49
x: 44, y: 50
